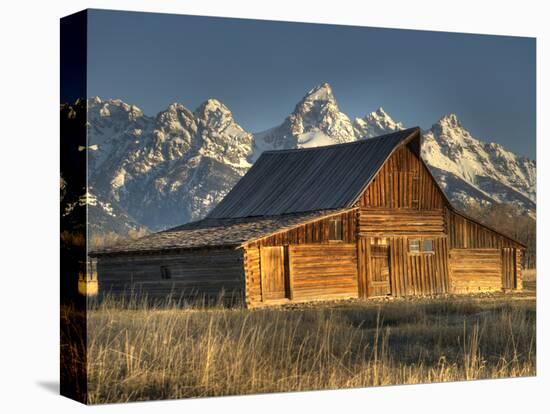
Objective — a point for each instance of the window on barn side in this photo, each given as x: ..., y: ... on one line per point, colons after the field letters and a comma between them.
x: 414, y: 246
x: 335, y: 229
x: 428, y: 246
x: 165, y: 273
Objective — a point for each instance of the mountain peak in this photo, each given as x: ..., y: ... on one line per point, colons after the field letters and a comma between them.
x: 94, y: 100
x: 212, y: 105
x: 450, y: 120
x: 381, y: 115
x: 322, y: 92
x: 214, y: 113
x: 376, y: 123
x: 380, y: 111
x: 317, y: 100
x: 113, y: 107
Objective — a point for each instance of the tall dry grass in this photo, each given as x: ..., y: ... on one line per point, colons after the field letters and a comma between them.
x: 140, y: 352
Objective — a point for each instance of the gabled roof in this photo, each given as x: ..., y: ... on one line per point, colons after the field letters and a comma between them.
x: 309, y: 179
x: 213, y: 232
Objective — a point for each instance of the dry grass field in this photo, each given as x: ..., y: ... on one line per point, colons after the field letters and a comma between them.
x: 139, y: 352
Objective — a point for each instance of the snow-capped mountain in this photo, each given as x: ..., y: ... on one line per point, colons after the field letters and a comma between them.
x: 169, y: 169
x: 77, y: 200
x: 470, y: 171
x: 496, y: 174
x: 315, y: 121
x: 175, y: 167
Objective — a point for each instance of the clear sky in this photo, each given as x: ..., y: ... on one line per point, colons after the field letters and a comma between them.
x: 261, y: 69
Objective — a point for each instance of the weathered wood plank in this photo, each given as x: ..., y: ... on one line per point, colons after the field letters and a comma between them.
x: 315, y: 274
x: 475, y: 270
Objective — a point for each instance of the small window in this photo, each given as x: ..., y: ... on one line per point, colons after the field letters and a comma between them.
x: 165, y: 273
x: 379, y: 241
x: 414, y: 246
x: 428, y: 246
x: 335, y: 229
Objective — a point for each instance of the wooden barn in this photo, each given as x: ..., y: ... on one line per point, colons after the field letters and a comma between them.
x: 355, y: 220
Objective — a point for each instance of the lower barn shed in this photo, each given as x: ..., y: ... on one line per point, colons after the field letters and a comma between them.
x: 361, y: 219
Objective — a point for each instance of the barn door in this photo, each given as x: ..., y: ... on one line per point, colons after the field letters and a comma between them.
x: 379, y: 281
x: 274, y: 273
x: 508, y: 264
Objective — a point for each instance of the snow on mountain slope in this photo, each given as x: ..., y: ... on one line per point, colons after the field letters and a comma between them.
x: 78, y: 202
x: 500, y: 174
x: 175, y: 167
x: 222, y: 138
x: 315, y: 121
x: 471, y: 171
x: 376, y: 123
x: 111, y: 122
x: 169, y: 169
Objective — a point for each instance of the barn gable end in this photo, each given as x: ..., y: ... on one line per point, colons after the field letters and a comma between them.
x: 402, y: 207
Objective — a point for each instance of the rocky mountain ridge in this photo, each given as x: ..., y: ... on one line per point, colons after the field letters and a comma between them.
x: 166, y: 170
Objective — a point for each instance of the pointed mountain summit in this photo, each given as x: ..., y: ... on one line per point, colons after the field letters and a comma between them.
x: 322, y: 93
x: 315, y: 121
x: 376, y: 123
x: 214, y: 114
x: 220, y: 137
x: 450, y: 121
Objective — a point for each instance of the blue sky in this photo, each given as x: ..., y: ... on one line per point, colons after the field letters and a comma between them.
x: 261, y: 69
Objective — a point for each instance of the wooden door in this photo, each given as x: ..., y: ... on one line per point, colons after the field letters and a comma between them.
x: 274, y: 273
x: 378, y: 283
x: 423, y: 277
x: 508, y: 264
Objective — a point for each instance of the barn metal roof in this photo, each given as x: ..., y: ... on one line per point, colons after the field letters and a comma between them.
x: 308, y: 179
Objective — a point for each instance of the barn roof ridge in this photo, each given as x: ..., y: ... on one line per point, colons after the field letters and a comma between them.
x: 331, y: 146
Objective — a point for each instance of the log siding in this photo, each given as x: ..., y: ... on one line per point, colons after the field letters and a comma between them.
x: 465, y: 233
x: 192, y: 274
x: 476, y: 270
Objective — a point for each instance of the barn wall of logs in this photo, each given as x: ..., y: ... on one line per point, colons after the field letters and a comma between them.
x: 519, y: 269
x: 253, y: 276
x: 319, y: 272
x: 467, y: 234
x: 401, y: 222
x: 476, y: 270
x: 418, y: 273
x: 481, y: 259
x: 187, y: 274
x: 315, y: 272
